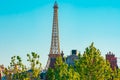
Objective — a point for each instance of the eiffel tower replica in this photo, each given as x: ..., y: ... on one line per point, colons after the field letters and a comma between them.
x: 55, y: 44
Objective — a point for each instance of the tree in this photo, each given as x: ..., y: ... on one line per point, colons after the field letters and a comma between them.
x: 92, y: 66
x: 35, y: 65
x: 116, y: 74
x: 72, y: 74
x: 16, y: 70
x: 62, y: 71
x: 50, y: 74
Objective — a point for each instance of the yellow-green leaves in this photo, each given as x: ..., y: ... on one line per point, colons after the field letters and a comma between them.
x: 92, y: 66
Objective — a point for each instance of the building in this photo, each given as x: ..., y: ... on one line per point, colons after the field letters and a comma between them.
x: 112, y: 59
x: 71, y: 58
x: 2, y: 68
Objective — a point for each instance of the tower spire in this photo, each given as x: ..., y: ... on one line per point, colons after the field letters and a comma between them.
x: 55, y: 4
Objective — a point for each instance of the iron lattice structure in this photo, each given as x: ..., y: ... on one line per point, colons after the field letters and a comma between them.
x: 55, y: 45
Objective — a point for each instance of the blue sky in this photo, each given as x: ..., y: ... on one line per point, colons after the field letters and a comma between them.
x: 26, y: 25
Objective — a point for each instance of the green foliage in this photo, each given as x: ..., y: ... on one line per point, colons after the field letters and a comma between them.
x: 18, y: 71
x: 16, y: 64
x: 18, y: 68
x: 35, y: 65
x: 116, y: 75
x: 50, y: 74
x: 92, y: 66
x: 62, y: 71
